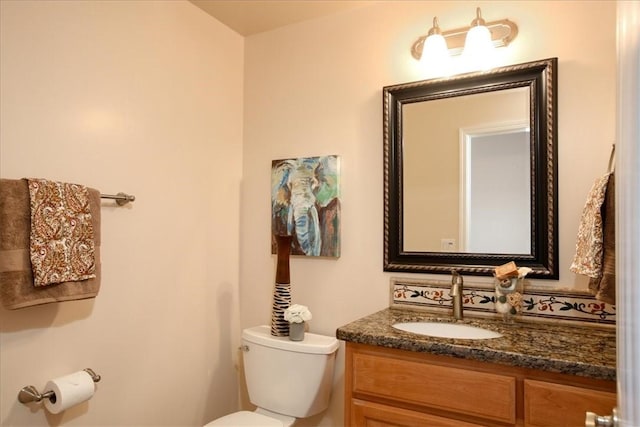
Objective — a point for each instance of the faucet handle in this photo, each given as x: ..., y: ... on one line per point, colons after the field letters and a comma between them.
x: 456, y: 278
x: 456, y: 283
x: 455, y: 290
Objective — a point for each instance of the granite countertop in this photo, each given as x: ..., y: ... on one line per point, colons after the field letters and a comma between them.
x: 564, y: 348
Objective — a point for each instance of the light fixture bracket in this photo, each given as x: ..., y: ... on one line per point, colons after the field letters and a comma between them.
x: 502, y: 33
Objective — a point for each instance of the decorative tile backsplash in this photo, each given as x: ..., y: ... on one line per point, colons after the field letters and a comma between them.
x: 537, y: 304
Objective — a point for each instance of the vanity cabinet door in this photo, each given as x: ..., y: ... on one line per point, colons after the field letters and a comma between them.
x: 429, y: 385
x: 478, y: 394
x: 370, y: 414
x: 555, y: 405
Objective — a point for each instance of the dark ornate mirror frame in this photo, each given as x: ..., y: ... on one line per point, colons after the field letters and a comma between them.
x: 541, y: 79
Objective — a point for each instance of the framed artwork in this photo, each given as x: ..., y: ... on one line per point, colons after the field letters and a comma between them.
x: 305, y: 203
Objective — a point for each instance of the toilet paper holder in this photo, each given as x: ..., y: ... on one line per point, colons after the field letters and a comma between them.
x: 31, y: 394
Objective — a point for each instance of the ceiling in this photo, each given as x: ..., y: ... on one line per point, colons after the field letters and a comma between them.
x: 248, y: 17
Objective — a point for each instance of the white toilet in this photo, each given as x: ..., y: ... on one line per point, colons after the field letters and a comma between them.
x: 285, y: 379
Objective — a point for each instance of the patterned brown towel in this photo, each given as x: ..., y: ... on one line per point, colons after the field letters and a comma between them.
x: 61, y: 245
x: 589, y: 244
x: 17, y: 288
x: 604, y: 288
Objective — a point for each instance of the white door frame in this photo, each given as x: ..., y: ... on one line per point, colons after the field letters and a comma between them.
x: 628, y: 214
x: 465, y: 136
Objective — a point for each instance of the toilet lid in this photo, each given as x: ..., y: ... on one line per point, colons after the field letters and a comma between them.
x: 245, y: 419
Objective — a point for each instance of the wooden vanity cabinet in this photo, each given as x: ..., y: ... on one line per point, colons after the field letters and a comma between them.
x: 389, y: 387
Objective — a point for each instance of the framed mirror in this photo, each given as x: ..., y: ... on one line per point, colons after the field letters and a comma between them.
x: 470, y: 172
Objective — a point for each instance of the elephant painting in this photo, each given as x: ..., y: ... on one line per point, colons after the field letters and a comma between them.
x: 305, y: 203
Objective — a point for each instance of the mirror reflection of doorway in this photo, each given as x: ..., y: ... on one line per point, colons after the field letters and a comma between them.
x: 495, y: 198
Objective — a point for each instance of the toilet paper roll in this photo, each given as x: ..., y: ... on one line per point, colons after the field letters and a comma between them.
x: 69, y: 390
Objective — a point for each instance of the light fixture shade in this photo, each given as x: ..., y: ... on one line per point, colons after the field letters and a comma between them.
x: 478, y: 39
x: 435, y: 60
x: 478, y: 47
x: 435, y: 49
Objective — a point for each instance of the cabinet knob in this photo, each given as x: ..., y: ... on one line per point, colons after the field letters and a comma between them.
x: 595, y: 420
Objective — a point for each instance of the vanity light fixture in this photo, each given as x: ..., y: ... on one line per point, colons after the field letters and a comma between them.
x: 501, y: 32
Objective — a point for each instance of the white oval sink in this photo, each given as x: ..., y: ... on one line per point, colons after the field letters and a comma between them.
x: 447, y: 330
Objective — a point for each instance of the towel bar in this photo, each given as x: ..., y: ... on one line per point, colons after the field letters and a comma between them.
x: 31, y: 394
x: 120, y: 198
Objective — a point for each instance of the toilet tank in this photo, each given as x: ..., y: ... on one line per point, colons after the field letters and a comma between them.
x: 288, y: 377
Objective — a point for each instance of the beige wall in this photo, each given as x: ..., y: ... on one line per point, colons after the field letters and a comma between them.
x: 145, y: 97
x: 142, y: 97
x: 315, y: 88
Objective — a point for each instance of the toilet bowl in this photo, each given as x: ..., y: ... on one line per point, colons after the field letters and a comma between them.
x: 249, y: 419
x: 285, y: 379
